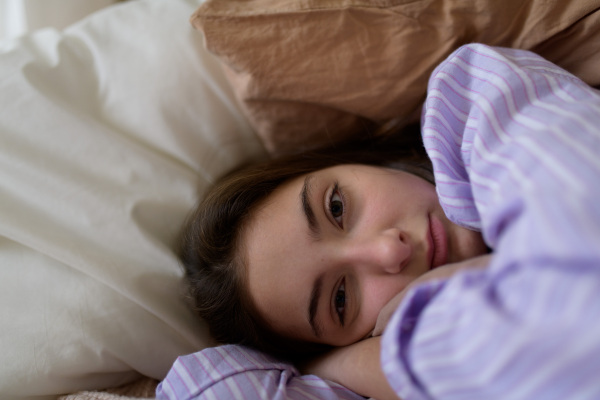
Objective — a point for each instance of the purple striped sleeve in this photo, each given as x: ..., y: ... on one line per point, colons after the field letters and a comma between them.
x: 236, y: 372
x: 515, y: 143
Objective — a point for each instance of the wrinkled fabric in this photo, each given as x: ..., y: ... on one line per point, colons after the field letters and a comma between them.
x: 109, y: 133
x: 514, y: 141
x: 312, y: 72
x: 238, y: 372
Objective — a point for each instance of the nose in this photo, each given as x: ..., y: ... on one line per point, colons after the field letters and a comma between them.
x: 388, y: 251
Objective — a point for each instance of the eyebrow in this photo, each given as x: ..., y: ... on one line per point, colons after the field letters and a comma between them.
x: 306, y: 207
x: 313, y: 305
x: 313, y: 226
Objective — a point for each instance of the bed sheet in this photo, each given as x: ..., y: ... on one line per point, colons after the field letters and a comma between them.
x: 109, y: 133
x: 17, y: 17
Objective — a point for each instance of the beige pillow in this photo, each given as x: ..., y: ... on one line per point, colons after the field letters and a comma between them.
x: 308, y: 72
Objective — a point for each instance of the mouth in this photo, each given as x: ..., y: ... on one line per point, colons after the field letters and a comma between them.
x: 437, y: 253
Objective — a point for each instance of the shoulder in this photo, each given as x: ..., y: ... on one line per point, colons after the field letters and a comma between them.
x: 233, y: 371
x: 221, y: 370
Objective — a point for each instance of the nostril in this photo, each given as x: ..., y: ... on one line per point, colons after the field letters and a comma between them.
x: 402, y: 237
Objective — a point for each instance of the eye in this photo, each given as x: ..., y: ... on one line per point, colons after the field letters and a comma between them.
x: 336, y: 206
x: 340, y: 301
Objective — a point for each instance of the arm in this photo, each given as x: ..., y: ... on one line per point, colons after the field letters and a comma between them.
x: 356, y: 367
x: 514, y: 143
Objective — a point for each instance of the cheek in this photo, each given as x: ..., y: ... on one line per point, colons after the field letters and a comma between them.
x: 468, y: 244
x: 376, y: 293
x: 416, y: 195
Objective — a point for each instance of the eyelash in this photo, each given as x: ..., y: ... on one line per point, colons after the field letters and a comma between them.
x: 341, y: 313
x: 337, y: 192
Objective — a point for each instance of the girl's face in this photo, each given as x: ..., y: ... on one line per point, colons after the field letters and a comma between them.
x: 328, y: 250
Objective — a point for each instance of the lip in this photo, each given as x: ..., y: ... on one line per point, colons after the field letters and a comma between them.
x: 437, y: 254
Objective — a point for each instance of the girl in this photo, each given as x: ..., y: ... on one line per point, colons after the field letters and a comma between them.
x: 306, y: 250
x: 336, y: 254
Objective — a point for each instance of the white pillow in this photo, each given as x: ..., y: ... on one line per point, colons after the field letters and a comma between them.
x: 109, y: 133
x: 18, y: 17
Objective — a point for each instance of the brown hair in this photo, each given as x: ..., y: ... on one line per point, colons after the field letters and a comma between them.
x: 214, y: 270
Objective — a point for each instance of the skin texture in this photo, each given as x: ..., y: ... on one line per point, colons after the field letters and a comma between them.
x: 441, y: 273
x: 374, y: 231
x: 339, y: 365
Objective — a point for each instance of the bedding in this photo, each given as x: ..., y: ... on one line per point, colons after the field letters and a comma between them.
x: 111, y: 129
x: 18, y: 17
x: 109, y: 133
x: 514, y: 142
x: 141, y: 389
x: 311, y: 72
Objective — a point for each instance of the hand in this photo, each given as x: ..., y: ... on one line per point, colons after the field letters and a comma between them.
x: 443, y: 272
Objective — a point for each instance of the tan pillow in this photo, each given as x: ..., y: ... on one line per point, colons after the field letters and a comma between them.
x: 308, y: 72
